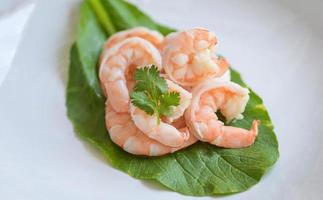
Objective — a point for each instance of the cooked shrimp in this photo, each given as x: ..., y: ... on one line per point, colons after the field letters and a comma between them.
x: 231, y: 99
x: 163, y: 132
x: 125, y: 134
x: 185, y: 100
x: 150, y: 35
x: 179, y: 123
x: 188, y: 56
x: 118, y: 66
x: 225, y: 77
x: 224, y: 64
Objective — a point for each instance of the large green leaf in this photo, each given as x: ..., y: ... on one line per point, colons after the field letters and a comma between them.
x: 201, y: 169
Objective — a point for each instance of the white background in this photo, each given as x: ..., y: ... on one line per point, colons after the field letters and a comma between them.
x: 13, y: 16
x: 276, y: 45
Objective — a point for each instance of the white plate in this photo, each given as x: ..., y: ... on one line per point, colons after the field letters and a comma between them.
x: 277, y: 51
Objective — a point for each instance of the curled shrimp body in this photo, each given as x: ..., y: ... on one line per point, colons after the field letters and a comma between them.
x: 225, y: 77
x: 151, y: 36
x: 125, y: 134
x: 163, y: 132
x: 224, y: 64
x: 118, y: 65
x: 231, y: 99
x: 179, y: 123
x: 185, y: 100
x: 188, y: 56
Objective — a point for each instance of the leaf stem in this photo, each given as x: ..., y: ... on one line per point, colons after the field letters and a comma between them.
x: 103, y: 16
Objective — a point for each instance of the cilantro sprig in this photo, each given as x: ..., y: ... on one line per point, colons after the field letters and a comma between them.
x: 151, y: 93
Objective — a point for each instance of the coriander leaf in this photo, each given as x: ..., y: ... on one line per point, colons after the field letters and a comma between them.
x: 167, y: 103
x: 151, y: 93
x: 142, y: 101
x: 148, y: 79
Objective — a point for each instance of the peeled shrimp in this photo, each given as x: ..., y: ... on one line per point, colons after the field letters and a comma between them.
x: 188, y: 56
x: 223, y: 63
x: 163, y: 132
x: 179, y: 123
x: 231, y: 99
x: 225, y: 77
x: 185, y: 100
x: 118, y: 65
x: 150, y: 35
x: 125, y: 134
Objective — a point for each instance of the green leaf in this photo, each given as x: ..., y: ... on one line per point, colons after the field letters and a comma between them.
x: 102, y: 16
x: 167, y: 103
x: 151, y: 93
x: 142, y: 101
x: 202, y: 169
x: 148, y: 79
x: 126, y: 15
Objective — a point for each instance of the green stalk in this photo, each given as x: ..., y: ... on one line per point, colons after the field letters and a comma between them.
x: 158, y: 116
x: 103, y: 16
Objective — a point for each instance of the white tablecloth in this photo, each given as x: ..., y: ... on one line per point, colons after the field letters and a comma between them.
x: 12, y: 23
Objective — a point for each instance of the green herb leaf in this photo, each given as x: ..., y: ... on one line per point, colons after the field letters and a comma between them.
x: 142, y: 101
x: 151, y: 93
x: 148, y: 79
x: 167, y: 103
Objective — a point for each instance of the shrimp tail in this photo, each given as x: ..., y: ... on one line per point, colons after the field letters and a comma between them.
x: 233, y: 137
x: 190, y: 140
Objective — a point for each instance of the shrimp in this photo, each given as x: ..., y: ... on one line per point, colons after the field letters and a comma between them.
x: 150, y: 35
x: 118, y: 66
x: 125, y: 134
x: 188, y: 57
x: 185, y: 100
x: 231, y: 99
x: 225, y: 77
x: 163, y: 132
x: 223, y: 63
x: 181, y: 123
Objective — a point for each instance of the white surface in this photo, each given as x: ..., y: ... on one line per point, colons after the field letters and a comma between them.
x: 278, y: 54
x: 11, y: 26
x: 7, y: 6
